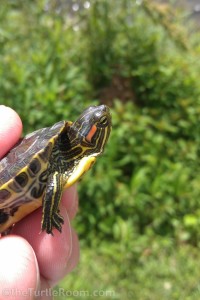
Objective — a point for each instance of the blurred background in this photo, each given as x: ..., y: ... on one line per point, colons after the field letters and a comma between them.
x: 139, y: 216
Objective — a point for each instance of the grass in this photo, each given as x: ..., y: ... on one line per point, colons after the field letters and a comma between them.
x: 167, y: 274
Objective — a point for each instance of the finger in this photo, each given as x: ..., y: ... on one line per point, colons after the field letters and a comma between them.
x: 16, y: 257
x: 75, y: 254
x: 10, y: 129
x: 70, y: 201
x: 53, y: 252
x: 71, y: 263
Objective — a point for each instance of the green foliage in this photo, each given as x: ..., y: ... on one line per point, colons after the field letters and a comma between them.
x: 153, y: 180
x: 151, y: 164
x: 143, y: 194
x: 40, y: 67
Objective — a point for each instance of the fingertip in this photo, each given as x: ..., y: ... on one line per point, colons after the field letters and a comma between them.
x: 10, y: 129
x: 72, y: 261
x: 16, y: 257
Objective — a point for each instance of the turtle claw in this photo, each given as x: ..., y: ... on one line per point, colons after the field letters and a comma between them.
x: 55, y: 221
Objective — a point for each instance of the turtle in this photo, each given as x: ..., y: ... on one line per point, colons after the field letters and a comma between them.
x: 42, y: 164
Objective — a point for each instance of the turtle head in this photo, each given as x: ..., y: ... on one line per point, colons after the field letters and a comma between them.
x: 91, y: 130
x: 88, y: 136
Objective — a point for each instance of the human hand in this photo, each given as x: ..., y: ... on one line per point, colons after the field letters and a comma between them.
x: 31, y: 263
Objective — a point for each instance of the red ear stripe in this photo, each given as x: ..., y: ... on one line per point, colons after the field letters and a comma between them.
x: 91, y: 133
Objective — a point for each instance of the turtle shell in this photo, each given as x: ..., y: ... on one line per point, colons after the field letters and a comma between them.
x: 23, y: 174
x: 37, y: 142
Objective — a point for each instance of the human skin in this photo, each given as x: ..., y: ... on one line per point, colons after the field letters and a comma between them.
x: 31, y: 261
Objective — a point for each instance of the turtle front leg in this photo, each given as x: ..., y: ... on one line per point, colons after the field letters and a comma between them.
x: 51, y: 217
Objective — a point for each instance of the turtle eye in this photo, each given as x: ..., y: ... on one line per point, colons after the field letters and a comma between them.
x: 103, y: 120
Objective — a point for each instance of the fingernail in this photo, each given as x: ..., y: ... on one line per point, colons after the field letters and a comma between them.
x: 74, y: 202
x: 37, y: 288
x: 73, y: 192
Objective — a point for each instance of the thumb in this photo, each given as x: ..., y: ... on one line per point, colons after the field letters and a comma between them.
x: 19, y: 272
x: 10, y: 129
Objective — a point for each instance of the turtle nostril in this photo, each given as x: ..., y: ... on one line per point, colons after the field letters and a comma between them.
x: 104, y: 108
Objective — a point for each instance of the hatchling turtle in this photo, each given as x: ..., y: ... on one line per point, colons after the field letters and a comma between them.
x: 37, y: 170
